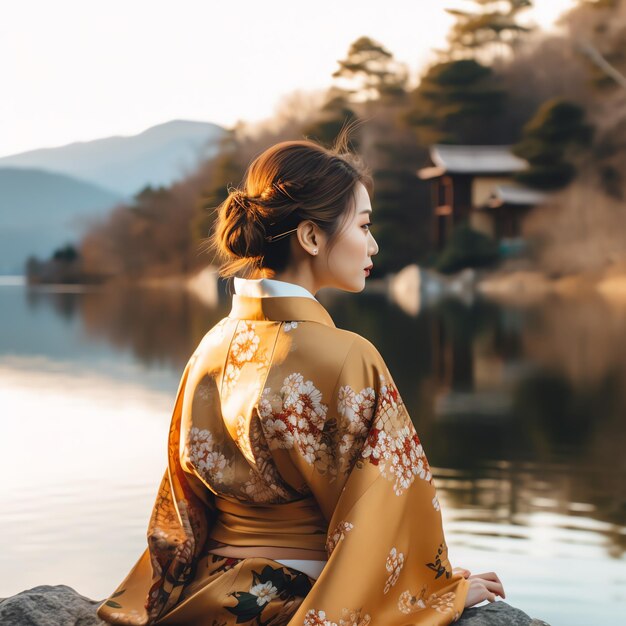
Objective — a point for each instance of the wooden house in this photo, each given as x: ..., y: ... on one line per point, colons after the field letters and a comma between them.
x: 475, y: 183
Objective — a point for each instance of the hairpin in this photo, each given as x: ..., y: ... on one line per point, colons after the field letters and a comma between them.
x: 281, y: 235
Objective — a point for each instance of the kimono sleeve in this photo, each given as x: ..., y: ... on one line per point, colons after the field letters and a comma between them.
x: 388, y: 558
x: 181, y: 518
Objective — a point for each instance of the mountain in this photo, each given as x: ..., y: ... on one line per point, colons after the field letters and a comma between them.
x: 46, y: 195
x: 125, y: 164
x: 40, y: 211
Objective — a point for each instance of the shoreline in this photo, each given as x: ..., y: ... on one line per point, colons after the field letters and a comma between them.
x: 531, y: 285
x: 510, y: 285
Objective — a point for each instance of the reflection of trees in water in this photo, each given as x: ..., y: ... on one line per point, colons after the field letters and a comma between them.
x: 583, y: 339
x: 159, y: 326
x: 509, y: 493
x: 561, y: 439
x: 575, y: 408
x: 66, y: 304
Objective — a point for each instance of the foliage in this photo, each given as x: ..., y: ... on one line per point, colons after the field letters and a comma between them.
x: 488, y: 27
x: 63, y: 266
x: 467, y: 248
x: 372, y: 71
x: 454, y: 102
x: 333, y: 116
x: 549, y: 137
x: 401, y: 207
x: 66, y: 254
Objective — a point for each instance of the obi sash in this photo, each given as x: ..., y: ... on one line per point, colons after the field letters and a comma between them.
x: 298, y: 524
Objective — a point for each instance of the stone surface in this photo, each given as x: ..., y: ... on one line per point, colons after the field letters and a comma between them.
x: 60, y: 605
x: 49, y: 605
x: 497, y: 613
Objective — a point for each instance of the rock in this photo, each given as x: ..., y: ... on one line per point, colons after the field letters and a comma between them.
x: 497, y: 613
x: 60, y: 605
x: 49, y: 605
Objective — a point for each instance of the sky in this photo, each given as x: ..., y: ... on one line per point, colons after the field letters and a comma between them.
x: 72, y: 70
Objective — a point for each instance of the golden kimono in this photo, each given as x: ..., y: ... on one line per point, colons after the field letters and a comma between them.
x: 288, y: 432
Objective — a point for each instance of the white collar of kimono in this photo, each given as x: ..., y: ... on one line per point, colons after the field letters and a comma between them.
x: 289, y: 303
x: 269, y: 287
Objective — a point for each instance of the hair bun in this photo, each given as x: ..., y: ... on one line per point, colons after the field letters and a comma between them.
x: 246, y: 235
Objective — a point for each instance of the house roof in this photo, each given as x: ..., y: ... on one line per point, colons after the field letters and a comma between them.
x: 458, y: 159
x: 515, y: 194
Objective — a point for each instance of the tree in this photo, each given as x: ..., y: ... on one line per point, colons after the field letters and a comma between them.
x: 490, y: 29
x: 550, y: 142
x: 371, y: 72
x: 374, y: 84
x: 226, y: 170
x: 333, y: 116
x: 401, y: 202
x: 454, y: 103
x: 367, y: 77
x: 66, y: 254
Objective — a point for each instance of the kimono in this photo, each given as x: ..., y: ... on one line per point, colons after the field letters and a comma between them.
x: 289, y: 432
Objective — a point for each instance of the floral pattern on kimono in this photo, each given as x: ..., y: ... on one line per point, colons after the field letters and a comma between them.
x: 408, y: 603
x: 177, y: 530
x: 348, y: 618
x: 264, y: 484
x: 356, y: 410
x: 245, y: 348
x: 295, y: 417
x: 394, y: 564
x: 268, y: 584
x: 336, y: 535
x: 393, y: 445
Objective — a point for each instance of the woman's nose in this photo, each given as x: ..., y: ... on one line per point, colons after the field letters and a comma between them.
x: 373, y: 248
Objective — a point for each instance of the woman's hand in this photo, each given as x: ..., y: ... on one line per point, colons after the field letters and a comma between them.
x: 482, y: 586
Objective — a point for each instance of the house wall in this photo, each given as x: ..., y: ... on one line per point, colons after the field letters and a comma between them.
x: 483, y: 186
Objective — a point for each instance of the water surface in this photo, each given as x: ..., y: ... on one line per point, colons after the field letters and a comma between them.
x: 522, y: 413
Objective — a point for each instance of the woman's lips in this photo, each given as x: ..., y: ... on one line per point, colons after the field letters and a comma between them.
x: 368, y: 269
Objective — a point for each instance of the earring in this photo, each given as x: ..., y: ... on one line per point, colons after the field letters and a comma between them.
x: 314, y: 250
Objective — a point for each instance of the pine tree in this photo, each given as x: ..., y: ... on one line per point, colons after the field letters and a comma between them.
x: 454, y: 103
x: 550, y: 142
x: 367, y: 76
x: 371, y: 72
x: 490, y: 29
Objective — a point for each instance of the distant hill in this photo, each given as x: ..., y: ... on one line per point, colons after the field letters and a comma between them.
x: 125, y: 164
x: 46, y: 195
x: 39, y: 211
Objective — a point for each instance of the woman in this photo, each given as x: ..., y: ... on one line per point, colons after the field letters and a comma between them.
x: 297, y: 490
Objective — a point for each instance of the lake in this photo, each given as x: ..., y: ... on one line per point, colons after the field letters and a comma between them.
x: 522, y: 413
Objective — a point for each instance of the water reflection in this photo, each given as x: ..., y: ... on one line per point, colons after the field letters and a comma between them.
x: 540, y: 393
x: 521, y: 412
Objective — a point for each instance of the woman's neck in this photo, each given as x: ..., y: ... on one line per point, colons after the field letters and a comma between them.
x: 303, y: 278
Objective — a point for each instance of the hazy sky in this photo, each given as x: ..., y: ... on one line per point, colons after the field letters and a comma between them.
x: 72, y: 70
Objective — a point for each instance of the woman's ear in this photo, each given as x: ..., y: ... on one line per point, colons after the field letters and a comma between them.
x: 309, y: 236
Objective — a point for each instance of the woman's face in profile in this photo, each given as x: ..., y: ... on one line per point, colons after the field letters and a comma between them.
x: 354, y: 248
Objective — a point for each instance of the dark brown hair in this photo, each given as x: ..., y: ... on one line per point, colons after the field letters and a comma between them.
x: 289, y: 182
